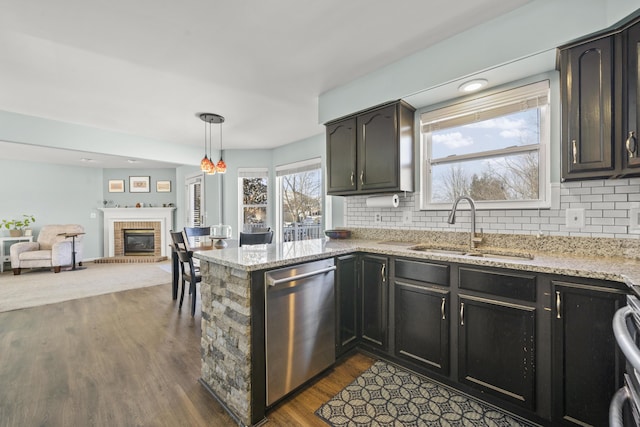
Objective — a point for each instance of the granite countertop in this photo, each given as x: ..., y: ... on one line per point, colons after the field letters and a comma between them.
x: 261, y: 257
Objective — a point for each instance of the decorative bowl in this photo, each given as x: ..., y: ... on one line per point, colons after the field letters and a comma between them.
x: 338, y: 234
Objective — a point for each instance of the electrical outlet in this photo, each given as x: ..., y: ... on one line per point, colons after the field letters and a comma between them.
x: 377, y: 217
x: 92, y: 215
x: 407, y: 217
x: 574, y: 218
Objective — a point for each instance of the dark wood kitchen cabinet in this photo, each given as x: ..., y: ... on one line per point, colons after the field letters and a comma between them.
x: 372, y: 151
x: 497, y: 334
x: 374, y: 293
x: 422, y: 306
x: 587, y: 85
x: 599, y: 95
x: 496, y: 349
x: 347, y: 302
x: 586, y: 363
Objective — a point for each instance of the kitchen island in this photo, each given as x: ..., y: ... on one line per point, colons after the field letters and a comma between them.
x: 233, y: 299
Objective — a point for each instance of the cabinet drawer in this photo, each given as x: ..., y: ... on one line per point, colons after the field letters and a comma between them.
x: 509, y: 285
x: 422, y: 271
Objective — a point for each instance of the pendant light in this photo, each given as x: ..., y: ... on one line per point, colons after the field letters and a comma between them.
x: 206, y: 164
x: 221, y: 166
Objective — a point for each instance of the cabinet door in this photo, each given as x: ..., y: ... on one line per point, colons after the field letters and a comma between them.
x: 378, y: 149
x: 422, y: 325
x: 587, y: 81
x: 347, y: 303
x: 496, y: 349
x: 374, y: 300
x: 587, y: 367
x: 631, y: 101
x: 341, y: 157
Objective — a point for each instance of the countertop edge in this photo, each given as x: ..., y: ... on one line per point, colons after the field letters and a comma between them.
x: 622, y: 270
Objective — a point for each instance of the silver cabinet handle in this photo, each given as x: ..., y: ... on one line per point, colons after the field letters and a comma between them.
x: 575, y: 151
x: 558, y: 305
x: 362, y: 177
x: 442, y: 308
x: 353, y: 176
x: 383, y: 271
x: 632, y: 144
x: 461, y: 314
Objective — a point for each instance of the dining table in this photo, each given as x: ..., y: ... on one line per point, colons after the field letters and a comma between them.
x: 195, y: 244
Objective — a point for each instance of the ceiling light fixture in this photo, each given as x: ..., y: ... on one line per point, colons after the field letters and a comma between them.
x: 473, y: 85
x: 206, y: 165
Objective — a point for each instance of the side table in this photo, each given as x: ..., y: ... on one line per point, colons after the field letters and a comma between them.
x: 3, y: 256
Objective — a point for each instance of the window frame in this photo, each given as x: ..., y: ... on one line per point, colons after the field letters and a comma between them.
x: 251, y: 173
x: 291, y: 168
x: 481, y: 105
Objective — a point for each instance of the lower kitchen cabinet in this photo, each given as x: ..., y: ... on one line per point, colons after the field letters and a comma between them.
x: 422, y: 325
x: 347, y: 299
x: 496, y: 349
x: 587, y: 366
x: 374, y: 291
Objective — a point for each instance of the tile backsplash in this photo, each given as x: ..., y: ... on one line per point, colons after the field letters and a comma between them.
x: 608, y: 206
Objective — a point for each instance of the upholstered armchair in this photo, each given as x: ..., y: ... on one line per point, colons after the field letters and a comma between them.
x: 51, y: 250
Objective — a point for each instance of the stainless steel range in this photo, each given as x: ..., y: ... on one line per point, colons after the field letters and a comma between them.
x: 625, y: 406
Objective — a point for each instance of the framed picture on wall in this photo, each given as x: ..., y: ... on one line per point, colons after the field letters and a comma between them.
x: 116, y: 186
x: 139, y: 184
x: 163, y: 186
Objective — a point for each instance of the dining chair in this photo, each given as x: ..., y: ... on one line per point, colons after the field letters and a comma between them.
x: 179, y: 240
x: 255, y: 238
x: 189, y: 274
x: 196, y: 232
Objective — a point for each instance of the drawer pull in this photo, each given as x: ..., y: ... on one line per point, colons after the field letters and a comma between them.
x: 461, y: 314
x: 558, y: 305
x: 442, y: 309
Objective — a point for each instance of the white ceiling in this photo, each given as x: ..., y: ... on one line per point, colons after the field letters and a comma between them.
x: 147, y: 67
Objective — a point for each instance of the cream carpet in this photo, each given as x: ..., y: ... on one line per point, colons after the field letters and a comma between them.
x: 41, y: 286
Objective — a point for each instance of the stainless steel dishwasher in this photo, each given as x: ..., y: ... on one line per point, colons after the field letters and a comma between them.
x: 299, y: 325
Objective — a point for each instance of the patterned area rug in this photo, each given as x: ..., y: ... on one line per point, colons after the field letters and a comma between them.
x: 385, y: 395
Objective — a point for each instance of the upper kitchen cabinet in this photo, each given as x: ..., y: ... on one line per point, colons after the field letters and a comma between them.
x: 372, y: 151
x: 599, y: 93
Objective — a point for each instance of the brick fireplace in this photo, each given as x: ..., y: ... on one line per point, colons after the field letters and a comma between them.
x: 116, y: 220
x: 119, y: 231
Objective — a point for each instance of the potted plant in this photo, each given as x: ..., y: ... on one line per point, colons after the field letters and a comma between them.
x: 16, y: 226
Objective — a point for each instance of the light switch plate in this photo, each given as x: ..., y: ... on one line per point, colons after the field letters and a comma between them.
x: 574, y: 218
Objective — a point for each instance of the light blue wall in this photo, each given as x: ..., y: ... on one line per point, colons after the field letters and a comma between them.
x: 54, y: 195
x: 539, y: 26
x: 152, y: 198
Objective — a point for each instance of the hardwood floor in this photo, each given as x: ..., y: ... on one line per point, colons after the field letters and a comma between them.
x: 124, y: 359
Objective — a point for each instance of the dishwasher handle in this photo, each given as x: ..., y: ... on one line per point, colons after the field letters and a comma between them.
x: 276, y: 282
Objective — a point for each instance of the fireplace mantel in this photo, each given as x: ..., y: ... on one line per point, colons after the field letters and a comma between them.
x: 113, y: 215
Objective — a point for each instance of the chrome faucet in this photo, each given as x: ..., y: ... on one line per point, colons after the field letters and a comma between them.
x: 473, y: 239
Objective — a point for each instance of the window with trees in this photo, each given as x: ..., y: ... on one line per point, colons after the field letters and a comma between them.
x: 300, y: 200
x: 253, y: 190
x: 491, y: 148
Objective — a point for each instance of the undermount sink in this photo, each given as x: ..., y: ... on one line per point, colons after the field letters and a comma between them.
x: 478, y: 254
x: 422, y: 248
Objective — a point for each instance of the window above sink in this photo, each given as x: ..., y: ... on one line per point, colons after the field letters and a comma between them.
x: 493, y: 148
